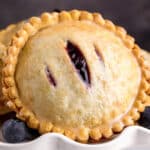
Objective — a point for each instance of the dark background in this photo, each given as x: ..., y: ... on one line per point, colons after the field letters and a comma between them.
x: 134, y: 15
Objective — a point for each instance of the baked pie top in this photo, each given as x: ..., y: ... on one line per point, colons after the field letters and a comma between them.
x: 68, y: 86
x: 77, y: 74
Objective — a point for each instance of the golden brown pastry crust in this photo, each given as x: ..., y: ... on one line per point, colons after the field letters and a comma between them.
x: 3, y: 108
x: 7, y: 34
x: 5, y: 39
x: 81, y: 134
x: 146, y: 55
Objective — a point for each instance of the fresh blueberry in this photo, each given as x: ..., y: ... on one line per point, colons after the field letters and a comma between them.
x: 145, y: 118
x: 16, y: 131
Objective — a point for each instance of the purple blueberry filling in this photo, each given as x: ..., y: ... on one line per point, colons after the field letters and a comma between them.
x: 50, y: 76
x: 79, y: 62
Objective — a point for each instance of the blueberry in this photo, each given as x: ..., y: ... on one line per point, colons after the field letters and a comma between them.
x: 145, y: 118
x: 16, y: 131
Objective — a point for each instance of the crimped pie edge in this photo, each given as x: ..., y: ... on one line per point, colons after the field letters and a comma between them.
x: 82, y: 134
x: 4, y: 33
x: 3, y: 108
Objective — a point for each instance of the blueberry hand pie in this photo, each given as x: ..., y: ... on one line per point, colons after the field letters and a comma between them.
x: 76, y: 74
x: 5, y: 39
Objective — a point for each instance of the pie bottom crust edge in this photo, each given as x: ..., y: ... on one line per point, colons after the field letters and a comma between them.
x: 82, y: 134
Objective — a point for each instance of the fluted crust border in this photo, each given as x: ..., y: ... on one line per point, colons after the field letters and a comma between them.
x: 81, y: 134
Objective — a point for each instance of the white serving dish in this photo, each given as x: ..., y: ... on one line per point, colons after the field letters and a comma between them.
x: 132, y: 138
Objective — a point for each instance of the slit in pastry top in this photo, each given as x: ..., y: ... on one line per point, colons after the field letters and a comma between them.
x: 79, y: 62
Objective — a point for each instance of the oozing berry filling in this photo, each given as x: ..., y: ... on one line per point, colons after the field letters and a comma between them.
x: 79, y: 62
x: 50, y: 76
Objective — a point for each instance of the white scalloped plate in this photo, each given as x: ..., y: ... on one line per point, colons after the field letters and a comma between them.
x: 132, y: 138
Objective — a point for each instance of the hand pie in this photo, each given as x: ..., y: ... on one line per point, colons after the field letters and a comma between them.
x: 5, y: 39
x: 76, y: 74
